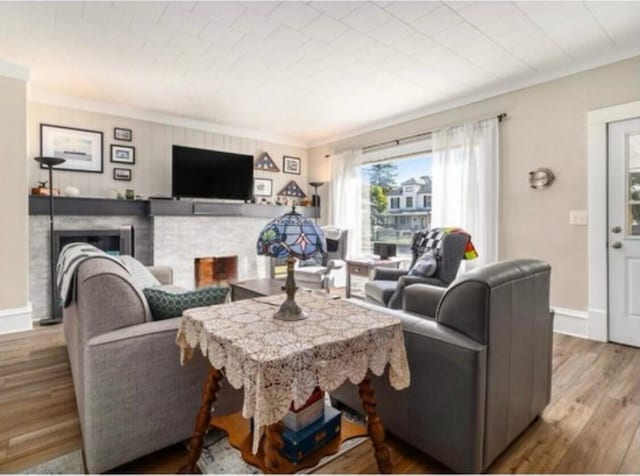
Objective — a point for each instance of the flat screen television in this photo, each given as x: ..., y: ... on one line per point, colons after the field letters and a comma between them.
x: 203, y: 173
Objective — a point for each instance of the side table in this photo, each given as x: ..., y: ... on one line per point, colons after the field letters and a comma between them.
x: 278, y: 362
x: 365, y: 266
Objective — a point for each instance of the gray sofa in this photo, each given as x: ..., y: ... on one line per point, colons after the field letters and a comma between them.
x: 133, y: 396
x: 480, y: 358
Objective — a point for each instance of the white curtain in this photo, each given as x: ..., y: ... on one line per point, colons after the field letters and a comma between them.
x: 348, y: 209
x: 465, y: 178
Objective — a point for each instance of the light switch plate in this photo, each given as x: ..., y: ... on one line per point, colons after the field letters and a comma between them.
x: 578, y: 217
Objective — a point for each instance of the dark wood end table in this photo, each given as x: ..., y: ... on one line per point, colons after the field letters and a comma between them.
x: 252, y: 288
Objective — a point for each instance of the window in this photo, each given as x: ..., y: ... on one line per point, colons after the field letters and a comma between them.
x: 426, y: 201
x: 395, y: 218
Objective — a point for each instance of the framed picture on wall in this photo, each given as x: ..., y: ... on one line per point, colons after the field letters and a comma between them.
x: 120, y: 133
x: 291, y: 165
x: 80, y: 148
x: 123, y: 154
x: 262, y: 187
x: 123, y: 175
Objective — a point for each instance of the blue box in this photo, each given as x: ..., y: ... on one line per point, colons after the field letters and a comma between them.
x: 298, y: 444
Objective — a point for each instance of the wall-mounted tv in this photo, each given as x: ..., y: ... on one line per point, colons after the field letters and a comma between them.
x: 203, y: 173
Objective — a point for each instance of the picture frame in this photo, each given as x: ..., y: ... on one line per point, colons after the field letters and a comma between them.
x: 291, y: 165
x: 122, y: 175
x: 123, y: 154
x: 262, y: 187
x: 120, y: 133
x: 81, y: 148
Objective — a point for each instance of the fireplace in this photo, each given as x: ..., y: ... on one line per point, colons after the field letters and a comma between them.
x: 218, y: 270
x: 115, y: 242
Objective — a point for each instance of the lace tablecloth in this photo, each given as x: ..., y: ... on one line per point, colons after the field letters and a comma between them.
x: 278, y: 362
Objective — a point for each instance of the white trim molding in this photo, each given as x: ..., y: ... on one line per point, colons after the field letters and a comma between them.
x: 52, y: 99
x: 16, y: 320
x: 598, y: 325
x: 571, y: 322
x: 13, y: 70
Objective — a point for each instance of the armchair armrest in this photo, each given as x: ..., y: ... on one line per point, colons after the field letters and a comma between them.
x: 422, y: 299
x: 164, y: 274
x: 335, y: 264
x: 388, y: 274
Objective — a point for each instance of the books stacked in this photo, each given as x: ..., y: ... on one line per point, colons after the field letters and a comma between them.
x: 309, y: 427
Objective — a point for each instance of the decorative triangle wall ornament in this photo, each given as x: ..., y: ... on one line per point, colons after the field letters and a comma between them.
x: 292, y: 189
x: 265, y: 162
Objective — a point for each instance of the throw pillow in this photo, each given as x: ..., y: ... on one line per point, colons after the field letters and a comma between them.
x: 425, y: 266
x: 140, y: 275
x: 165, y: 304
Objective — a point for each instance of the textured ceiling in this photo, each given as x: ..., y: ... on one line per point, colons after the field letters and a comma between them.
x: 309, y: 70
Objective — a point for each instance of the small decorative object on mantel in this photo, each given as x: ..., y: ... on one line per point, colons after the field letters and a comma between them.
x: 125, y: 135
x: 123, y: 154
x: 541, y: 178
x: 71, y: 191
x: 43, y: 190
x: 291, y: 165
x: 291, y: 236
x: 292, y: 189
x: 266, y: 163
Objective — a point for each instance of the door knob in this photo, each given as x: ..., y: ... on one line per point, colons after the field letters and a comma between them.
x: 616, y: 245
x: 616, y: 229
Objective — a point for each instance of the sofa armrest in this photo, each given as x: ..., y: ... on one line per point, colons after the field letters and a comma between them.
x: 422, y: 299
x: 388, y: 274
x: 164, y: 274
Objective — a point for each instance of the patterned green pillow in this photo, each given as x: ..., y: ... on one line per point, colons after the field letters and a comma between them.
x: 165, y: 304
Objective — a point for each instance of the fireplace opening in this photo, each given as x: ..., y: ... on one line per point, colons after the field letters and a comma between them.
x: 215, y: 270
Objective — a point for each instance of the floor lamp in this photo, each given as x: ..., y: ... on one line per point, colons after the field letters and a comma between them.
x: 50, y: 162
x: 316, y: 199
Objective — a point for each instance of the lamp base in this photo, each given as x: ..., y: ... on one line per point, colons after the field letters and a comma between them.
x: 290, y: 311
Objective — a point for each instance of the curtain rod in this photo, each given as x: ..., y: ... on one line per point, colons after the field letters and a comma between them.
x: 501, y: 117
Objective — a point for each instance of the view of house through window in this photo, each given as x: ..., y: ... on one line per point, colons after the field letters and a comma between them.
x: 399, y: 199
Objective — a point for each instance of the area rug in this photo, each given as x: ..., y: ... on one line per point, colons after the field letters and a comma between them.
x: 218, y: 456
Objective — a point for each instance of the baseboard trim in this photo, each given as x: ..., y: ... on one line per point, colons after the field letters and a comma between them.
x: 16, y: 320
x: 571, y: 322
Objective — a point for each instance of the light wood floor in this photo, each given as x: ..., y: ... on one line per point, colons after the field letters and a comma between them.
x: 592, y: 424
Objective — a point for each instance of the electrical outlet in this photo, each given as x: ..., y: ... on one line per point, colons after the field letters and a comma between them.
x: 578, y: 217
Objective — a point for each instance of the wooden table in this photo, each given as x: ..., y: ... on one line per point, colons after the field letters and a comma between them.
x: 364, y: 267
x: 338, y: 340
x: 252, y: 288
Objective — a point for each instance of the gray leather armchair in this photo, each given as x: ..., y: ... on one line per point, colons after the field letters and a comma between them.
x: 385, y: 289
x: 480, y: 358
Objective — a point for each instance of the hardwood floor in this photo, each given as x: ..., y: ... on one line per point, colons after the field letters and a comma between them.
x: 591, y: 426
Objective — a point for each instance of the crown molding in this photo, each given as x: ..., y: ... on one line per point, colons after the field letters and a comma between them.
x: 13, y: 70
x: 53, y: 99
x: 586, y: 65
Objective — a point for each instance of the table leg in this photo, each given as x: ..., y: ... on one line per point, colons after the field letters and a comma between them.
x: 374, y: 425
x: 347, y: 291
x: 209, y: 390
x: 273, y: 445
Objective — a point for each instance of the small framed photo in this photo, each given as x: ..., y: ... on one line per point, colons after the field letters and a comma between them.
x: 262, y: 187
x: 291, y: 165
x: 122, y: 134
x: 123, y: 175
x: 123, y: 154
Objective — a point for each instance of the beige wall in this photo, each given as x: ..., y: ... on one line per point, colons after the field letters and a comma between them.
x: 152, y: 141
x: 14, y: 243
x: 546, y: 127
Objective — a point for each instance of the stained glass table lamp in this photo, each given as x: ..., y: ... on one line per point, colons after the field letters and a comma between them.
x: 291, y: 236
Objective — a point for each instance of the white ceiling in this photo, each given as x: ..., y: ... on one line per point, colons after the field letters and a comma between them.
x: 308, y: 70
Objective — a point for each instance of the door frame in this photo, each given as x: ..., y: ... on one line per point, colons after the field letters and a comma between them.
x: 598, y: 201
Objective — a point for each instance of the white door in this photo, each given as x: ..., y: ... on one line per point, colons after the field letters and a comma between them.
x: 624, y: 232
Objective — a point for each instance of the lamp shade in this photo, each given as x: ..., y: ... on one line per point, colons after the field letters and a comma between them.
x: 291, y: 235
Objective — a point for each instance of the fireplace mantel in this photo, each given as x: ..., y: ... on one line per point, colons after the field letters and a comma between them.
x: 82, y: 206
